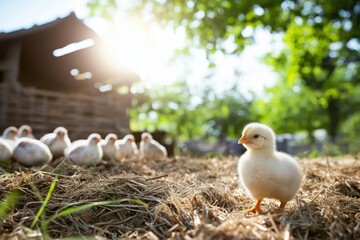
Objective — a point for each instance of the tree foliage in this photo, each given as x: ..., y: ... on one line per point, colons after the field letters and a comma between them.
x: 292, y: 108
x: 318, y: 57
x: 172, y: 110
x: 185, y: 114
x: 321, y: 57
x: 319, y: 66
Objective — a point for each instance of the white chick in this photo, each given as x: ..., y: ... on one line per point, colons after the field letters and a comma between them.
x: 25, y: 131
x: 57, y: 141
x: 10, y: 133
x: 10, y: 136
x: 108, y: 146
x: 149, y: 148
x: 85, y: 152
x: 5, y: 150
x: 265, y: 172
x: 126, y: 147
x: 31, y: 152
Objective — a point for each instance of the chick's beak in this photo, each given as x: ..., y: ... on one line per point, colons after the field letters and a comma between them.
x: 243, y: 140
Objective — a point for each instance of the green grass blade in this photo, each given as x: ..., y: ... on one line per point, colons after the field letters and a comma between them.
x: 80, y: 238
x: 35, y: 191
x: 83, y: 207
x: 4, y: 165
x: 45, y: 202
x: 8, y: 202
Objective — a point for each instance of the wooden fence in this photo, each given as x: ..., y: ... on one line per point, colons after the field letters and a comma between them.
x: 45, y: 110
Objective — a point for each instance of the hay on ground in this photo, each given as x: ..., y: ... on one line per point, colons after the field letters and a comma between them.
x: 185, y: 199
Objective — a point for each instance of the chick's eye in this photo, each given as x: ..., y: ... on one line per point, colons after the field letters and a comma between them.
x: 256, y: 136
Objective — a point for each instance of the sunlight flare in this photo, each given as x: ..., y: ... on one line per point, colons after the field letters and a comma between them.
x: 146, y: 48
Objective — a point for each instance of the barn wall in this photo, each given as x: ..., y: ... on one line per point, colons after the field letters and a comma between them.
x: 45, y: 110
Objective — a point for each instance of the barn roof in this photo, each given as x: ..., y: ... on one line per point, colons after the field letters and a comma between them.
x: 40, y: 68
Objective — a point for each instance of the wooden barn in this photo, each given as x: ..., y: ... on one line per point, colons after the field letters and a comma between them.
x: 62, y: 74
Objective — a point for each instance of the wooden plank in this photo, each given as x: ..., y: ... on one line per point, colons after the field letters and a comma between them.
x: 4, y: 100
x: 45, y: 110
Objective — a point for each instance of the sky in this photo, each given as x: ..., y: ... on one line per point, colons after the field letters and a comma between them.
x: 148, y: 50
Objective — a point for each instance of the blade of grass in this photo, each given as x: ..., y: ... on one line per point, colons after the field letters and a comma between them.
x: 4, y: 166
x: 83, y: 207
x: 8, y: 202
x: 35, y: 191
x: 81, y: 238
x: 45, y: 202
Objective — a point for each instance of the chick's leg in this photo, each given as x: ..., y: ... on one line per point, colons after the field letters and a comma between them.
x: 256, y: 208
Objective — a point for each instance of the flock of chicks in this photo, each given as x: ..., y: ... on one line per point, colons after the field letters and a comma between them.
x: 21, y: 145
x: 262, y: 171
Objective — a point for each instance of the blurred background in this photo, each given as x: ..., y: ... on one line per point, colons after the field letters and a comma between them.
x: 191, y: 72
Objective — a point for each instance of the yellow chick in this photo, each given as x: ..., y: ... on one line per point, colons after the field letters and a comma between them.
x: 265, y: 172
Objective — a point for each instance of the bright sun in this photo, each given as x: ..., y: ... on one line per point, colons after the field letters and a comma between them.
x: 144, y: 48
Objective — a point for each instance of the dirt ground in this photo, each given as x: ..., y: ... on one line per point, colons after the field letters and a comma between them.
x: 183, y: 198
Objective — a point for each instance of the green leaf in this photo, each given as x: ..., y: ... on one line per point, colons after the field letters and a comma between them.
x: 75, y: 209
x: 45, y: 202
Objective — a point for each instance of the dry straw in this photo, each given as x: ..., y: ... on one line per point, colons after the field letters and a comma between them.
x: 183, y: 199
